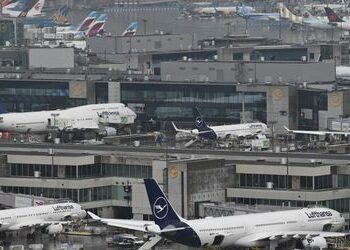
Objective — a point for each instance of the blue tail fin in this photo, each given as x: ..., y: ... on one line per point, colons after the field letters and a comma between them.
x: 162, y: 211
x: 199, y: 123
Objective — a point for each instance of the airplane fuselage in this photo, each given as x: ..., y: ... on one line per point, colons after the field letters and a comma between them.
x: 88, y: 116
x: 233, y: 131
x: 16, y: 219
x: 236, y: 230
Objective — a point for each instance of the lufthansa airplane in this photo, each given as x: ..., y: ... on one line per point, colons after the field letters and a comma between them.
x: 251, y: 230
x: 223, y: 132
x: 102, y: 118
x: 49, y: 218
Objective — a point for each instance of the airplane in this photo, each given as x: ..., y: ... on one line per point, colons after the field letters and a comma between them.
x: 83, y: 26
x: 336, y: 21
x: 49, y: 218
x: 223, y: 132
x: 97, y: 28
x: 312, y: 225
x: 92, y: 26
x: 24, y: 8
x: 248, y: 14
x: 131, y: 29
x: 57, y: 19
x: 224, y: 10
x: 305, y: 20
x: 104, y: 119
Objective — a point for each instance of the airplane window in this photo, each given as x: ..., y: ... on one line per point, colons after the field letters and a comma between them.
x: 1, y: 119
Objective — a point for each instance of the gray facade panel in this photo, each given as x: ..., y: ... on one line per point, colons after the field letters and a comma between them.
x: 51, y: 58
x: 137, y: 44
x: 259, y: 72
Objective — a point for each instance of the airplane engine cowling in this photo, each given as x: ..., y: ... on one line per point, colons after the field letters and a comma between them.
x: 315, y: 242
x: 108, y: 131
x: 153, y: 229
x: 53, y: 229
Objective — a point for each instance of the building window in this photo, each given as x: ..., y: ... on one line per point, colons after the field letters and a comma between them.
x: 237, y: 56
x: 312, y: 56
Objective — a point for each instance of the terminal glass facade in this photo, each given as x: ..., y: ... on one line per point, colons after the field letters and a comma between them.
x: 26, y: 96
x: 310, y: 103
x: 283, y: 181
x: 217, y: 103
x: 82, y: 171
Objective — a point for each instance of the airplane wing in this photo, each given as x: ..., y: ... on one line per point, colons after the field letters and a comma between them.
x: 181, y: 130
x: 69, y: 124
x: 137, y: 225
x: 313, y: 132
x: 289, y: 234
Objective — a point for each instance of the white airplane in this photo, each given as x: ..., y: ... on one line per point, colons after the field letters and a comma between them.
x: 305, y: 20
x: 49, y: 218
x: 223, y: 132
x: 251, y: 230
x: 24, y: 8
x: 247, y: 14
x: 102, y: 118
x: 225, y: 10
x: 313, y: 132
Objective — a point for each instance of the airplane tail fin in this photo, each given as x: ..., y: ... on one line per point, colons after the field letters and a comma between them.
x: 6, y: 3
x: 332, y: 16
x: 18, y: 5
x: 199, y: 122
x: 162, y: 211
x: 131, y: 29
x: 32, y: 8
x: 60, y: 16
x: 97, y: 28
x: 88, y: 21
x: 287, y: 14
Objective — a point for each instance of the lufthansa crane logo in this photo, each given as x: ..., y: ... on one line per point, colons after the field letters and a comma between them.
x: 160, y: 208
x: 199, y: 121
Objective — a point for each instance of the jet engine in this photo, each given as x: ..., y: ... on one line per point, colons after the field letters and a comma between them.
x: 108, y: 131
x: 315, y: 242
x: 53, y: 229
x: 153, y: 229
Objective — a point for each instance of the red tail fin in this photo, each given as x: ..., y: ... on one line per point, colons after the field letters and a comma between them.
x: 332, y: 16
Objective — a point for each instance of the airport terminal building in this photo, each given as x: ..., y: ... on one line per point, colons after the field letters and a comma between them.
x: 111, y: 184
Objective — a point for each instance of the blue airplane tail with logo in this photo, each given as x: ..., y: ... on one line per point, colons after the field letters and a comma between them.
x: 204, y: 130
x: 199, y: 122
x: 171, y: 225
x: 162, y: 211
